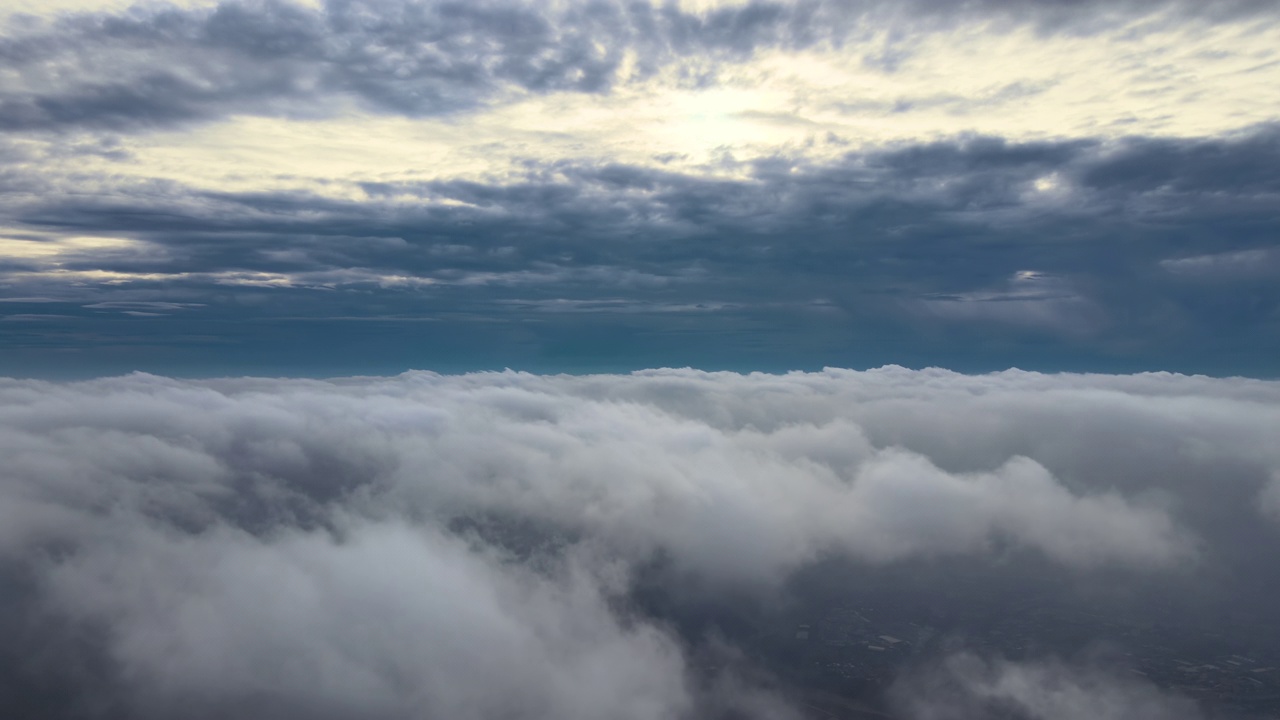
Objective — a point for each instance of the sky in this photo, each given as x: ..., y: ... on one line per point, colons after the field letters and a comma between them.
x: 348, y: 187
x: 515, y: 360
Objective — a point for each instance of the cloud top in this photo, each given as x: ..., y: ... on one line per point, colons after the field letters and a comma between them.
x: 467, y: 546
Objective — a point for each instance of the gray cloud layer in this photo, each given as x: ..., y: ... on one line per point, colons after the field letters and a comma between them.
x: 148, y: 69
x: 972, y: 252
x: 1143, y: 251
x: 465, y: 546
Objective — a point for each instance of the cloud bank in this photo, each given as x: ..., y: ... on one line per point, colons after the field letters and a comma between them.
x: 1083, y: 252
x: 468, y: 546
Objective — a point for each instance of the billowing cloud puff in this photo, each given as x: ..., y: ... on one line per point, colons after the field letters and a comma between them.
x: 385, y: 621
x: 698, y: 465
x: 465, y: 546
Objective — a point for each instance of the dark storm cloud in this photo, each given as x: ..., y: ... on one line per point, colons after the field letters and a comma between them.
x: 471, y: 546
x: 1135, y: 247
x: 153, y: 68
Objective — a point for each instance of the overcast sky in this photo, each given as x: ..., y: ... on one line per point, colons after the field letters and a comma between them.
x: 757, y: 273
x: 370, y: 186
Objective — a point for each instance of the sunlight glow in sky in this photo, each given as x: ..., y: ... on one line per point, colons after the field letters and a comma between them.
x: 395, y: 158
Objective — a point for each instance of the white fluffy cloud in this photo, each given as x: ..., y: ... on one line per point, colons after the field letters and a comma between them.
x: 388, y: 621
x: 461, y: 546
